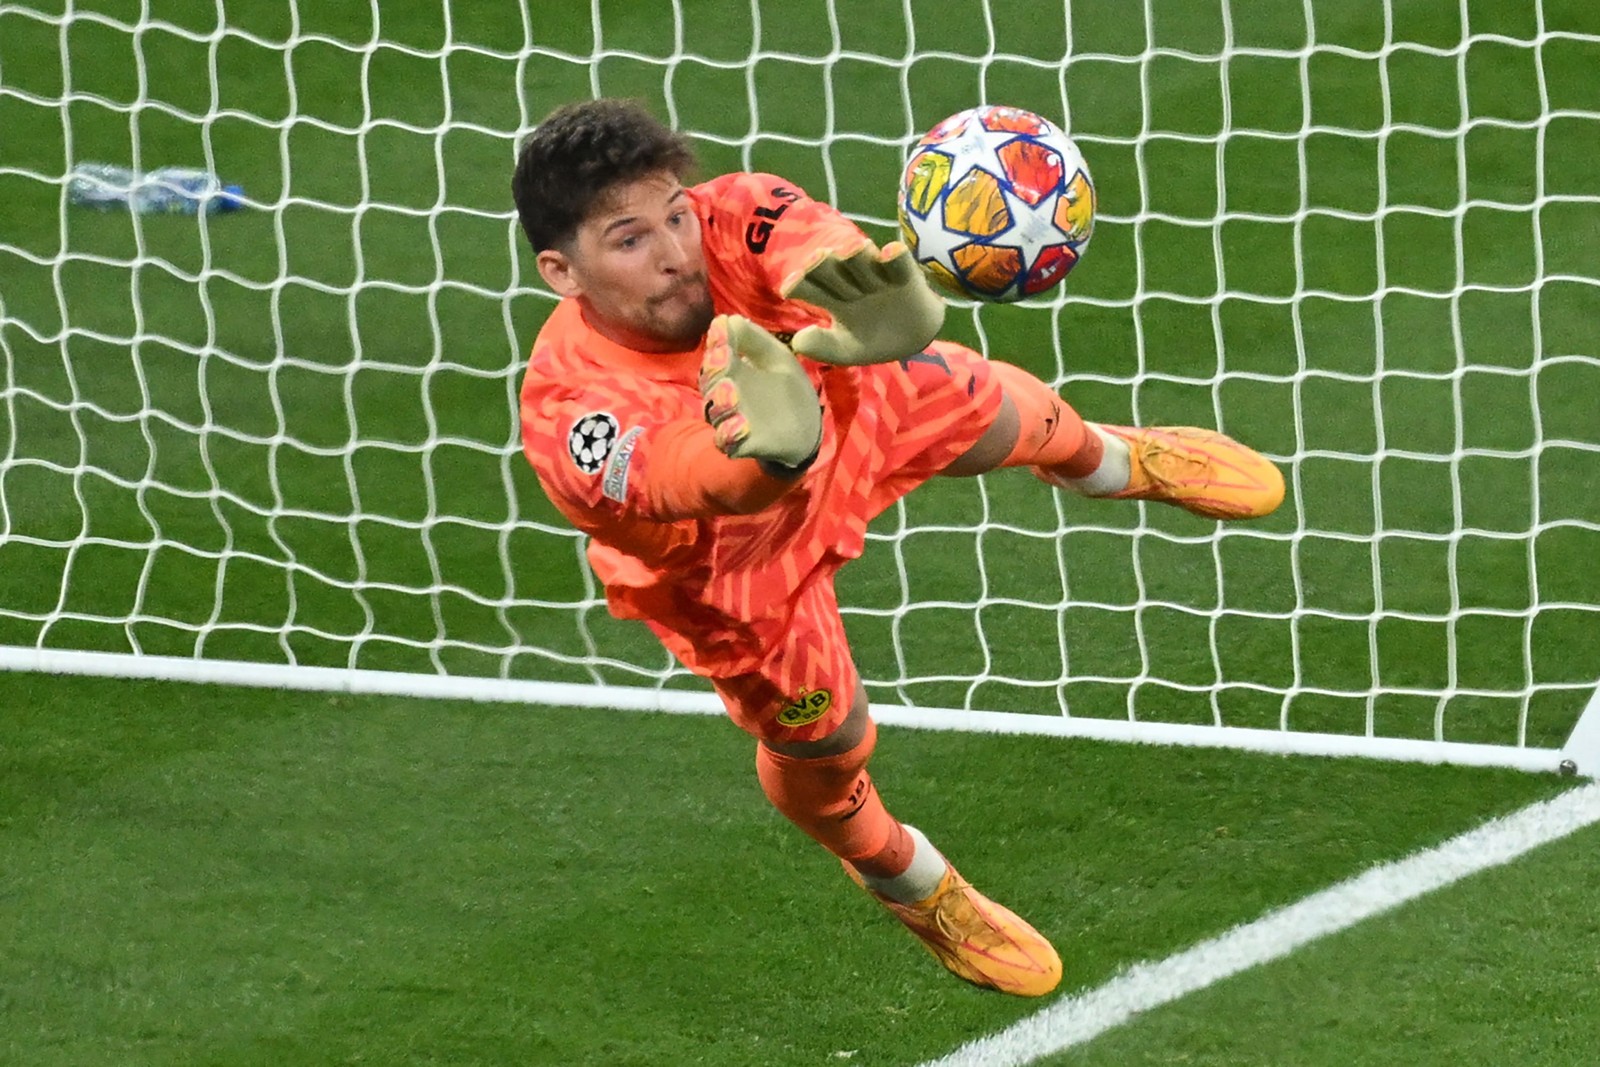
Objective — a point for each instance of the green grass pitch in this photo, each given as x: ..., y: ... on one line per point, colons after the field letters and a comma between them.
x: 218, y: 876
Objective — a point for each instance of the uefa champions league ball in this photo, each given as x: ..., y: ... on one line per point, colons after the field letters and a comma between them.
x: 996, y: 203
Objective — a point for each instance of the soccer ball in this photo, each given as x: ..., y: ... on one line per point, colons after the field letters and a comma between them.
x: 997, y: 204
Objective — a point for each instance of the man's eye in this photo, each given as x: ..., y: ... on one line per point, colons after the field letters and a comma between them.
x: 628, y: 242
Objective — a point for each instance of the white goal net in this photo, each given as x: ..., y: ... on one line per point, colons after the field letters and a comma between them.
x: 279, y: 445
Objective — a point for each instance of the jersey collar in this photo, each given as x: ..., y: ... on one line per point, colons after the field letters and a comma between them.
x: 662, y: 366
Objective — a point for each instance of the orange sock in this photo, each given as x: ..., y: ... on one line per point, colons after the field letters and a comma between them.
x: 833, y: 799
x: 1051, y: 433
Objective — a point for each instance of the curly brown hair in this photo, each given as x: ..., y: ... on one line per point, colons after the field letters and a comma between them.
x: 579, y: 154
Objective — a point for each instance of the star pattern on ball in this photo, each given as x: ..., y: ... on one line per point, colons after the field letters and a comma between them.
x: 998, y: 223
x: 975, y: 148
x: 936, y: 243
x: 1033, y: 226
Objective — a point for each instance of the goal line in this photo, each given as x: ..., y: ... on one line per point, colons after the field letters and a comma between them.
x: 1580, y: 755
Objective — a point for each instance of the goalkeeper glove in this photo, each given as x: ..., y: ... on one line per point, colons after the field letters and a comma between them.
x: 882, y: 306
x: 759, y: 401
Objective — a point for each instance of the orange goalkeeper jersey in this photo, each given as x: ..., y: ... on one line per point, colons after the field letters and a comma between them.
x: 603, y: 424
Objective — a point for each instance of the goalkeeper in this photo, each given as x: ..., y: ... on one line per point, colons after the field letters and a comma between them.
x: 734, y: 383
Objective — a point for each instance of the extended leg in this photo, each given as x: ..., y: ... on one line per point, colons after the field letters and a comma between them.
x: 1202, y: 471
x: 830, y: 796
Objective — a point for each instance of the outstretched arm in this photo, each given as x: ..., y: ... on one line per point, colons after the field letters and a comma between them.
x: 761, y: 428
x: 759, y: 402
x: 881, y: 305
x: 814, y: 272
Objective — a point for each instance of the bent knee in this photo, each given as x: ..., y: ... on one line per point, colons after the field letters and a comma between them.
x: 992, y: 448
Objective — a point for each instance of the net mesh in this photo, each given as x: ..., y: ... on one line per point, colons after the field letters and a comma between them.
x: 1361, y: 240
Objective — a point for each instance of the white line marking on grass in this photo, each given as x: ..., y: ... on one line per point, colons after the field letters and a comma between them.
x: 1084, y: 1016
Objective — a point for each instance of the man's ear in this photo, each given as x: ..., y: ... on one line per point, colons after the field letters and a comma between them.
x: 555, y: 267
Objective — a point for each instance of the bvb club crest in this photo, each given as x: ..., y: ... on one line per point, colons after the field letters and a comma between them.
x: 806, y: 708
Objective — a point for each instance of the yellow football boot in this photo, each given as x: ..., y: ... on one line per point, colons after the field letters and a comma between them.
x: 1202, y: 471
x: 977, y: 939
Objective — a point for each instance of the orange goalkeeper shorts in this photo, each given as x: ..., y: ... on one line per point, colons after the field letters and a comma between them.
x: 805, y: 687
x: 930, y: 409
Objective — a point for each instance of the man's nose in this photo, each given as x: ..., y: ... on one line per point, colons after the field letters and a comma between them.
x: 675, y: 253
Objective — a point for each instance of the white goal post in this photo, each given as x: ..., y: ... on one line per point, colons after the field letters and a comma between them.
x: 279, y: 448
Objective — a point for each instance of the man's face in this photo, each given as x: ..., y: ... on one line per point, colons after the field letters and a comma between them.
x: 637, y: 265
